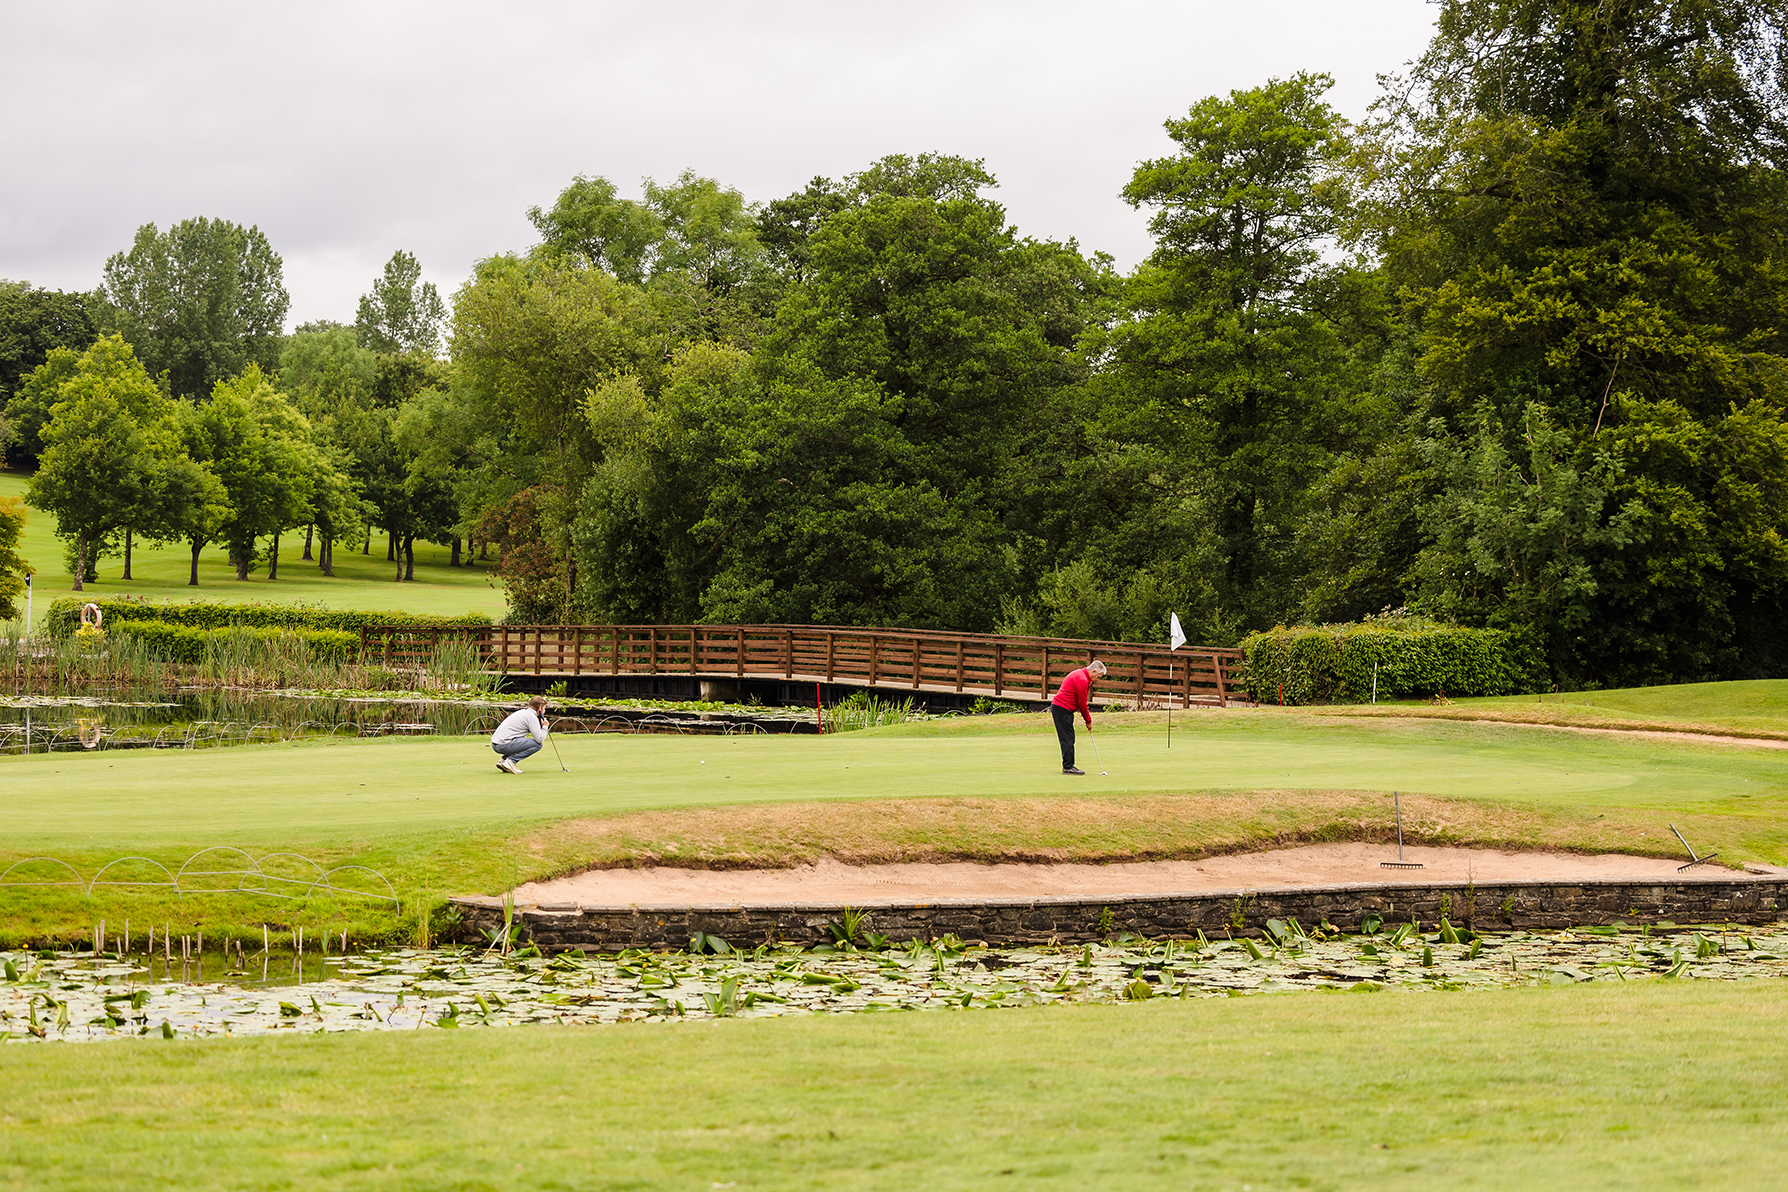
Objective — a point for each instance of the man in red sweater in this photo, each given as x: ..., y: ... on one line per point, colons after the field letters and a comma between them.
x: 1074, y: 696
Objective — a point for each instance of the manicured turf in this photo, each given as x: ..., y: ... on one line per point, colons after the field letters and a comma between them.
x: 1760, y: 704
x: 434, y: 813
x: 1754, y: 707
x: 1653, y: 1085
x: 340, y: 792
x: 361, y: 581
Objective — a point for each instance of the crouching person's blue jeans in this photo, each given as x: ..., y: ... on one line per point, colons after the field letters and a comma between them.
x: 518, y: 749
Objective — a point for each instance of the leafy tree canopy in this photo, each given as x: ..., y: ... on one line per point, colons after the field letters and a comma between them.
x: 403, y: 313
x: 200, y: 302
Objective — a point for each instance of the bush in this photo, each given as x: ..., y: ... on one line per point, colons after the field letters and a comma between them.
x: 65, y: 616
x: 1415, y: 658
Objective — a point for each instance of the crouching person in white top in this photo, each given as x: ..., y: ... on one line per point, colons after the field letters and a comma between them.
x: 521, y: 735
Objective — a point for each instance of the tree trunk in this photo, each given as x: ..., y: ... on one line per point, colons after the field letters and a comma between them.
x: 308, y: 531
x: 326, y: 556
x: 400, y: 559
x: 198, y: 544
x: 452, y: 562
x: 126, y: 574
x: 390, y: 545
x: 80, y: 561
x: 367, y: 549
x: 483, y: 550
x: 409, y: 556
x: 273, y: 559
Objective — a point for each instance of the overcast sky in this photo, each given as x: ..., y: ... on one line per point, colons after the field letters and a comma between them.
x: 346, y: 131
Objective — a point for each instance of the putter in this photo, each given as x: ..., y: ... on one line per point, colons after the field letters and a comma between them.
x: 1095, y: 741
x: 562, y: 767
x: 1399, y: 863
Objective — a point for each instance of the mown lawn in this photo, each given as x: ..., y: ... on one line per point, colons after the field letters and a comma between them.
x: 360, y: 581
x: 1756, y: 707
x: 1650, y: 1085
x: 434, y: 815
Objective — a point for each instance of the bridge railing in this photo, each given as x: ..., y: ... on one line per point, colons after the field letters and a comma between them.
x: 919, y: 660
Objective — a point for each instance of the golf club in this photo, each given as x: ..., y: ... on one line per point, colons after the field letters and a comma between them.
x: 1095, y: 741
x: 562, y: 765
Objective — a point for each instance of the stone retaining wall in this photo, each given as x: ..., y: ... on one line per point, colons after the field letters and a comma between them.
x: 1490, y: 907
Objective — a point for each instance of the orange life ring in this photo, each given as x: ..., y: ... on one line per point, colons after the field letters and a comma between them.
x: 99, y: 616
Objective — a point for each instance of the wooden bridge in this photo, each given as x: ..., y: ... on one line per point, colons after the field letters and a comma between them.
x: 1026, y: 668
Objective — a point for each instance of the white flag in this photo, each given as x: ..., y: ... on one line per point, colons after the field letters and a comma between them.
x: 1176, y: 637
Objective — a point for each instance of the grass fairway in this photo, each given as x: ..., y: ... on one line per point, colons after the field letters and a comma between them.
x: 360, y: 581
x: 1751, y: 707
x: 434, y: 813
x: 1655, y: 1084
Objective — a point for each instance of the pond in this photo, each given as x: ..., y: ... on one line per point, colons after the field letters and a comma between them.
x: 79, y: 997
x: 210, y: 717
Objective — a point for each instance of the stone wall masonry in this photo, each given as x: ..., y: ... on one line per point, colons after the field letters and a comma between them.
x: 1490, y: 907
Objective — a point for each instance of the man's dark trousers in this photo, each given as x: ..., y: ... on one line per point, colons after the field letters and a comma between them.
x: 1064, y: 732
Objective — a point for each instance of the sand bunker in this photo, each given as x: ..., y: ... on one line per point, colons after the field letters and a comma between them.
x: 866, y: 885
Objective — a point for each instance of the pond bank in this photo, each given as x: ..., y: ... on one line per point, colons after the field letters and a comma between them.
x: 1239, y: 910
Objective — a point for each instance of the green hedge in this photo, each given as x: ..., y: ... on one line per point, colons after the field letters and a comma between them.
x: 65, y: 616
x: 183, y: 643
x: 1333, y: 664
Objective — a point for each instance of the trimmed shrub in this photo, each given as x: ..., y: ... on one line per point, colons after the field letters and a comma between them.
x: 65, y: 615
x: 1415, y: 658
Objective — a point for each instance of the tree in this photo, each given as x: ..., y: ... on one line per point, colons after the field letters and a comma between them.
x: 201, y: 301
x: 1584, y: 207
x: 13, y: 568
x: 403, y: 314
x: 33, y: 323
x: 257, y: 445
x: 1238, y: 363
x: 324, y: 367
x: 29, y: 408
x: 532, y: 336
x: 875, y: 456
x: 108, y: 443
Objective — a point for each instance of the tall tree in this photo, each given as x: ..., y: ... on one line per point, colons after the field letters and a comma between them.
x: 257, y: 444
x: 403, y: 313
x: 1238, y: 363
x: 33, y: 323
x: 878, y: 454
x: 1585, y: 207
x: 201, y: 301
x: 531, y: 337
x: 13, y: 567
x: 108, y: 443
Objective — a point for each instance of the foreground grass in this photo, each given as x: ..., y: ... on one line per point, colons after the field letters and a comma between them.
x: 436, y: 817
x: 360, y: 581
x: 1645, y: 1086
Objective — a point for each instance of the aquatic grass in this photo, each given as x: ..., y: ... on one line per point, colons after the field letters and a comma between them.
x: 234, y: 656
x: 864, y: 709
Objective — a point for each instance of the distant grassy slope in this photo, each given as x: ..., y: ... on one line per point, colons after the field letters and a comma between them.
x: 1756, y: 707
x: 1661, y: 1084
x: 361, y: 581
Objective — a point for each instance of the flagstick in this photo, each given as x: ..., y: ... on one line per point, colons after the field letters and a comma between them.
x: 1170, y: 699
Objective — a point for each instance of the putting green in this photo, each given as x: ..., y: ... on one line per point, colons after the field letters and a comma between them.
x: 326, y: 793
